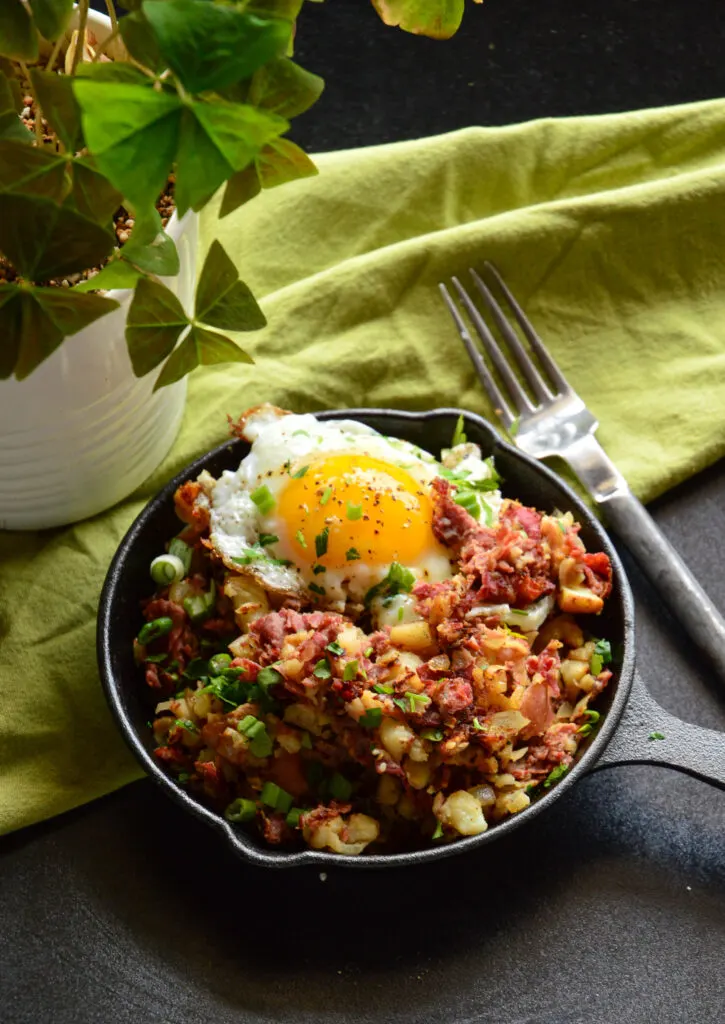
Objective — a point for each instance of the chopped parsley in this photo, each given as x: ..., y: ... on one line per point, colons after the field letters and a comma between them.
x: 602, y: 656
x: 265, y: 539
x: 186, y: 723
x: 322, y: 669
x: 300, y: 538
x: 352, y: 554
x: 300, y: 473
x: 321, y: 542
x: 459, y: 434
x: 555, y: 774
x: 434, y: 735
x: 354, y: 511
x: 262, y: 498
x: 156, y: 659
x: 254, y: 555
x: 656, y: 736
x: 367, y: 652
x: 326, y: 495
x: 317, y: 569
x: 302, y: 433
x: 399, y: 580
x: 335, y: 648
x: 371, y: 719
x: 196, y: 669
x: 317, y: 590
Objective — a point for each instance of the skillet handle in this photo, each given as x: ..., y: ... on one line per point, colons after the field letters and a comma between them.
x: 685, y: 747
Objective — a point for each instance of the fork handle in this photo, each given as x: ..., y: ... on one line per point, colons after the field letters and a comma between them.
x: 674, y: 582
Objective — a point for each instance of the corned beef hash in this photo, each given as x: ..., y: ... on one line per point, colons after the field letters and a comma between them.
x: 355, y: 645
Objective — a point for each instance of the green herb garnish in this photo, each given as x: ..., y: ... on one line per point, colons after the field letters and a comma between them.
x: 300, y: 538
x: 354, y: 511
x: 555, y: 774
x: 265, y: 539
x: 367, y: 652
x: 656, y: 736
x: 262, y: 498
x: 434, y: 735
x: 352, y: 554
x: 322, y: 669
x: 383, y: 688
x: 321, y: 542
x: 398, y: 580
x: 326, y: 495
x: 335, y: 648
x: 371, y: 719
x: 317, y: 589
x: 438, y: 831
x: 459, y: 434
x: 300, y: 473
x: 340, y: 787
x: 275, y: 797
x: 350, y: 671
x: 317, y: 569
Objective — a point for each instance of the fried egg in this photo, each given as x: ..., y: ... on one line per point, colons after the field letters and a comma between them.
x: 332, y: 513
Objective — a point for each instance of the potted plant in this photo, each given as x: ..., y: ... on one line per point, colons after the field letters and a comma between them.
x: 115, y: 131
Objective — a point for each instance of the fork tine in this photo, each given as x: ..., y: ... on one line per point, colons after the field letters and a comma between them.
x: 484, y: 375
x: 519, y: 397
x: 555, y: 375
x: 538, y: 385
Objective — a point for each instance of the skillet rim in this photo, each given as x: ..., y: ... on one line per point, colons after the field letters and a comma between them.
x: 240, y: 842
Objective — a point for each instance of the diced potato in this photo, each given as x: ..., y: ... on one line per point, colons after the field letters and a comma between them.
x: 584, y: 652
x: 248, y: 599
x: 396, y: 737
x: 561, y: 628
x: 304, y: 716
x: 412, y: 636
x: 462, y: 812
x: 418, y: 750
x: 361, y: 830
x: 573, y: 671
x: 579, y: 601
x: 389, y: 790
x: 511, y: 803
x: 511, y: 721
x: 351, y: 640
x: 484, y: 794
x: 418, y: 773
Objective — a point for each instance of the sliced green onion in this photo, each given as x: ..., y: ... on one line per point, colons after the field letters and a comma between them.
x: 156, y: 659
x: 167, y: 569
x: 247, y: 723
x: 596, y: 664
x: 459, y: 434
x: 383, y: 688
x: 321, y: 542
x: 350, y: 671
x: 326, y: 495
x: 354, y: 511
x: 371, y: 719
x: 418, y: 701
x: 555, y: 774
x: 154, y: 629
x: 275, y: 797
x: 656, y: 736
x: 401, y: 612
x: 322, y: 669
x: 300, y: 473
x: 438, y: 831
x: 335, y: 648
x: 317, y: 569
x: 317, y: 589
x: 265, y: 539
x: 306, y: 741
x: 261, y: 744
x: 604, y: 649
x: 186, y: 723
x: 262, y: 498
x: 434, y: 735
x: 183, y: 551
x: 219, y: 663
x: 241, y: 810
x: 469, y: 501
x: 340, y: 787
x: 477, y: 725
x: 352, y: 554
x: 300, y: 538
x: 293, y: 817
x: 269, y: 676
x: 368, y: 652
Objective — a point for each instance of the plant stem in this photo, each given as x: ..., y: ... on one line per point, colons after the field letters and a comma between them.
x: 102, y: 47
x: 112, y: 14
x: 56, y: 50
x: 81, y: 39
x: 38, y: 112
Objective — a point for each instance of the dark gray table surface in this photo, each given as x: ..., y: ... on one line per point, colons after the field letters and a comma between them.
x: 611, y: 908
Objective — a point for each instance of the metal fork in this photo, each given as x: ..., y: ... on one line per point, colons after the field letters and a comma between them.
x: 558, y: 422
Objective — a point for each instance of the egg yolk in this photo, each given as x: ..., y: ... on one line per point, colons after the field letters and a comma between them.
x: 342, y: 508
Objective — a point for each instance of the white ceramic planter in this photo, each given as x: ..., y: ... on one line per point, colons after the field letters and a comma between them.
x: 82, y: 432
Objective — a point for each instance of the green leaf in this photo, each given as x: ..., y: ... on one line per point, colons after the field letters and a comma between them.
x: 276, y: 8
x: 34, y: 321
x: 209, y: 46
x: 11, y: 127
x: 155, y: 320
x: 216, y: 140
x: 44, y: 240
x: 132, y: 132
x: 150, y: 248
x: 140, y: 41
x: 60, y: 107
x: 52, y: 16
x: 222, y: 300
x: 199, y: 347
x: 113, y: 71
x: 33, y: 172
x: 241, y: 187
x: 18, y: 38
x: 92, y: 193
x: 283, y: 161
x: 439, y: 19
x: 285, y: 88
x: 116, y: 274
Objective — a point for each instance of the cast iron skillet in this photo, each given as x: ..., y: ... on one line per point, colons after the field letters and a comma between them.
x: 629, y: 714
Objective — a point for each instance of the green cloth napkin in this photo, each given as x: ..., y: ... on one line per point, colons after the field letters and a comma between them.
x: 609, y: 231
